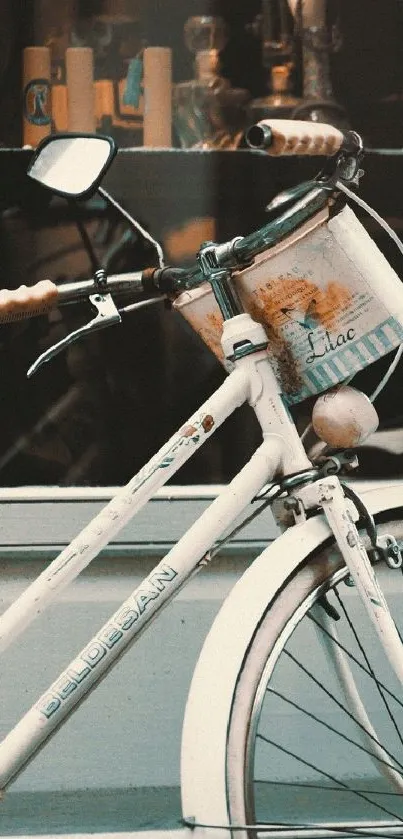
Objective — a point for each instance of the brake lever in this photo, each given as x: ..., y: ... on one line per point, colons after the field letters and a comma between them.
x: 107, y: 315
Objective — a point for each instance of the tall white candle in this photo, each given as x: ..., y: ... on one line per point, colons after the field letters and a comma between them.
x: 80, y: 89
x: 157, y: 97
x: 36, y: 122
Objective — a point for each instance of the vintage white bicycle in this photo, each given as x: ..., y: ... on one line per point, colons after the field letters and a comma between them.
x: 293, y: 310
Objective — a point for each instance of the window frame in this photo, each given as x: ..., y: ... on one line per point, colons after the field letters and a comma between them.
x: 38, y: 522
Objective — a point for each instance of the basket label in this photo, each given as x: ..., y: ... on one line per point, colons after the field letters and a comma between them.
x: 356, y: 357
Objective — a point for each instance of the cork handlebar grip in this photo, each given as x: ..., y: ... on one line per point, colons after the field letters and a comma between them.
x: 28, y: 301
x: 294, y: 137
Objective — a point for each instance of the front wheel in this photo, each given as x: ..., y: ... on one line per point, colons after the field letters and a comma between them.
x: 315, y: 734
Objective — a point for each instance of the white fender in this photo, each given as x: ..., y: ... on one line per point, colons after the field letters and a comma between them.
x: 203, y: 755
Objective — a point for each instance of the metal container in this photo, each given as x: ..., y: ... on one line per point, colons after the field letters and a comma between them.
x: 330, y: 302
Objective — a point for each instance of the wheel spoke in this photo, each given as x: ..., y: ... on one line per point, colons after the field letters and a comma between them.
x: 323, y: 787
x: 363, y: 653
x: 343, y: 708
x: 356, y: 661
x: 333, y: 729
x: 301, y: 687
x: 327, y: 775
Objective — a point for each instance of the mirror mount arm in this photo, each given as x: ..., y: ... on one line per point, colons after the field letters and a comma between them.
x: 95, y: 263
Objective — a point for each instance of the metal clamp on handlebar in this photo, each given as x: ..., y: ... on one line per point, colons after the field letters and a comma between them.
x: 345, y: 166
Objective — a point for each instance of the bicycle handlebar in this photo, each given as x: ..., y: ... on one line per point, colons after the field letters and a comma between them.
x: 277, y: 137
x: 295, y: 137
x: 26, y: 302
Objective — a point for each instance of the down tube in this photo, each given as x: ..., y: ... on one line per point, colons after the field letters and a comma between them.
x: 125, y: 626
x: 128, y: 501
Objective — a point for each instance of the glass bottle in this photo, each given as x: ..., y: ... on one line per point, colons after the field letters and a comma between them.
x: 275, y: 27
x: 318, y: 42
x: 207, y: 112
x: 281, y: 103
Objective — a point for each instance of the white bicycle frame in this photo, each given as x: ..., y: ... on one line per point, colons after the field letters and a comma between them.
x: 280, y: 454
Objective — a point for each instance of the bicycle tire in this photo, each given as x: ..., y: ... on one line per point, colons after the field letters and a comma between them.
x: 207, y: 771
x: 265, y: 721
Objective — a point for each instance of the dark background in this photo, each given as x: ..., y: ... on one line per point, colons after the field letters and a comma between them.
x: 98, y: 412
x: 367, y: 73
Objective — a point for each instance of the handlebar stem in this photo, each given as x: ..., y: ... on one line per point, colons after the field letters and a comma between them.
x: 219, y: 279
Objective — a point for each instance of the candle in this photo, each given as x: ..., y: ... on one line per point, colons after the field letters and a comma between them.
x: 36, y: 95
x: 157, y: 97
x: 80, y: 89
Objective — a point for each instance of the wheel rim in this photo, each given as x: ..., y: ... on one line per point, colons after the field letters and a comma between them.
x: 269, y: 668
x: 316, y: 778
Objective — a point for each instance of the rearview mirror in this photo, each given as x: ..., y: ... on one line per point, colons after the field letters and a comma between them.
x: 72, y: 164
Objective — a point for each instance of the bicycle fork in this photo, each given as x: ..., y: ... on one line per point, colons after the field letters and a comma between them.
x: 328, y: 494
